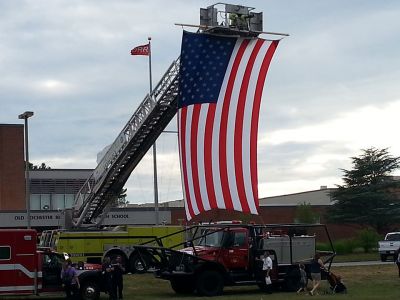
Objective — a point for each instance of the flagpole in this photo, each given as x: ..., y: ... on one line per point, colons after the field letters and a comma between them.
x: 154, y: 148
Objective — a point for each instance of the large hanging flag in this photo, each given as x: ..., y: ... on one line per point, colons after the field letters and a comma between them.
x: 221, y: 84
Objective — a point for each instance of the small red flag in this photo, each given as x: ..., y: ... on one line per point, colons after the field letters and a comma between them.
x: 141, y: 50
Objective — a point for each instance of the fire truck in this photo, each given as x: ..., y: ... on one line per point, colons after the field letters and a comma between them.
x: 27, y: 270
x: 220, y: 255
x: 92, y: 245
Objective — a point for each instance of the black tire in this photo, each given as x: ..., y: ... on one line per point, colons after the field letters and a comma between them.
x: 292, y: 280
x: 90, y: 290
x: 209, y: 283
x: 183, y: 285
x: 139, y: 264
x: 383, y: 257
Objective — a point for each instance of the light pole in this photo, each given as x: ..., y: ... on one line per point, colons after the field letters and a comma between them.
x: 25, y: 117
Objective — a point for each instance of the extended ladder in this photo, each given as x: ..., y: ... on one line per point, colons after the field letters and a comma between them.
x: 93, y: 200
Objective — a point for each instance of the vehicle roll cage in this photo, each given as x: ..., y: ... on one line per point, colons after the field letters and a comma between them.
x: 156, y: 247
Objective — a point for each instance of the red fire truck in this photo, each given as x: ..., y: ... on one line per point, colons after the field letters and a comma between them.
x: 228, y: 254
x: 27, y: 270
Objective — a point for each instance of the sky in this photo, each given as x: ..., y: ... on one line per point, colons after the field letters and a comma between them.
x: 332, y: 88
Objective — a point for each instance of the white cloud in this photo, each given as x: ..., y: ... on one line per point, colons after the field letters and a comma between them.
x: 362, y: 128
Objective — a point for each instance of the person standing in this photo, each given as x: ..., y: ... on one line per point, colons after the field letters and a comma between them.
x: 70, y: 280
x: 267, y: 267
x: 303, y: 279
x: 108, y: 272
x: 397, y: 259
x: 118, y: 278
x: 316, y: 266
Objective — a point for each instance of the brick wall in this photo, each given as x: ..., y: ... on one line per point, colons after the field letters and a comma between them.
x: 12, y: 176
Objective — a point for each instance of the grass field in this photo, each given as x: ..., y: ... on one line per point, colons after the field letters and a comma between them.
x: 363, y: 283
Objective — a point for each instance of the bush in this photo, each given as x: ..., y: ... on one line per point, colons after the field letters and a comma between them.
x: 368, y: 239
x: 345, y: 246
x: 323, y: 247
x: 340, y: 246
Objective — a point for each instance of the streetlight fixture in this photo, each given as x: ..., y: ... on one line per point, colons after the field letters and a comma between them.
x: 25, y: 117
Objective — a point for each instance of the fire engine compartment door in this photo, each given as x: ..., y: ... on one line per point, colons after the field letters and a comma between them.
x: 235, y: 251
x: 17, y: 262
x: 52, y: 265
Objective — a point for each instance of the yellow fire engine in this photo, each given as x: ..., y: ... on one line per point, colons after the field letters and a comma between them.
x: 92, y: 245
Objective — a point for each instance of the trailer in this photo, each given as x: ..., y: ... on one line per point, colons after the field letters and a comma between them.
x: 228, y: 254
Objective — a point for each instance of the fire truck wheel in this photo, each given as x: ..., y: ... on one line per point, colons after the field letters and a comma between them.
x: 210, y: 283
x: 90, y: 290
x: 139, y: 263
x: 292, y: 280
x: 183, y: 285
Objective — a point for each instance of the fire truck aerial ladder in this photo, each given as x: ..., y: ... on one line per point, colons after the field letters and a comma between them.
x: 94, y: 199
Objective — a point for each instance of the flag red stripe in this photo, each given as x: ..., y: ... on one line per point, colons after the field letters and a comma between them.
x: 255, y: 116
x: 183, y: 157
x: 193, y: 155
x: 208, y: 155
x: 238, y: 153
x: 224, y: 124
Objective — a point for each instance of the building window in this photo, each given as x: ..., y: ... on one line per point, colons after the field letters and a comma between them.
x: 45, y: 201
x: 5, y: 252
x: 69, y: 200
x: 58, y: 201
x: 35, y: 201
x: 40, y: 201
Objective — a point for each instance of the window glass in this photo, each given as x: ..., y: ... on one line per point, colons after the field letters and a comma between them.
x: 69, y: 200
x: 393, y: 237
x: 240, y: 239
x: 45, y: 201
x: 58, y: 201
x: 5, y: 252
x: 35, y: 201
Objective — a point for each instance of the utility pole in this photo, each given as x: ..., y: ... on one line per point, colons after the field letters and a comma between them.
x: 25, y: 117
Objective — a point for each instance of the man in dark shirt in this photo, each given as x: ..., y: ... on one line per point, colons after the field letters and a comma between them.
x: 108, y: 274
x: 118, y: 280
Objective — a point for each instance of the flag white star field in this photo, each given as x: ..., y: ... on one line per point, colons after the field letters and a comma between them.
x: 221, y: 83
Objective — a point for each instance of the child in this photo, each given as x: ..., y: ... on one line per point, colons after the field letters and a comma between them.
x: 303, y: 279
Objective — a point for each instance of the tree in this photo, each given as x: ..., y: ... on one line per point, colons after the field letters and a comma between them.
x: 305, y: 214
x: 368, y: 195
x: 121, y: 200
x: 41, y: 167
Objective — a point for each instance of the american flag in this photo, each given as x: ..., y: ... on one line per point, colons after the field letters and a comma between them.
x: 221, y: 84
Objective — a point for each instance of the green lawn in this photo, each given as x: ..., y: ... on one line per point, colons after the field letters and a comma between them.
x: 363, y: 283
x: 357, y: 257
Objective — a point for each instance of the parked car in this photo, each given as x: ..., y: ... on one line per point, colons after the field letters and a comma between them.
x: 389, y: 245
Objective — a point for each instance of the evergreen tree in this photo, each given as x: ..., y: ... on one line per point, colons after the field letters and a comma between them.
x: 42, y: 166
x: 369, y: 195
